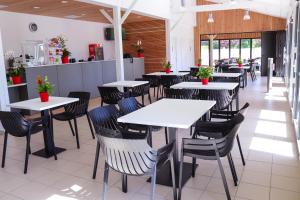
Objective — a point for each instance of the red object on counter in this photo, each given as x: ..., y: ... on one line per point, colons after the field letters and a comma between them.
x: 65, y: 59
x: 140, y: 55
x: 240, y: 65
x: 168, y: 70
x: 44, y: 96
x: 92, y: 50
x: 204, y: 81
x: 16, y: 79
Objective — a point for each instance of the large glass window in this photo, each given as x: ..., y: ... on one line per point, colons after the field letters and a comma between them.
x: 256, y: 48
x: 245, y: 49
x: 224, y: 49
x: 205, y: 52
x: 216, y: 52
x: 234, y: 48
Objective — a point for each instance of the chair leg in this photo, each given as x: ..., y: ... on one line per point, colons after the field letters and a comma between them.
x: 149, y: 97
x: 180, y: 177
x: 105, y: 181
x: 194, y: 167
x: 191, y: 131
x: 96, y: 160
x: 143, y: 100
x: 71, y: 127
x: 124, y: 183
x: 232, y: 169
x: 27, y: 153
x: 4, y: 149
x: 223, y: 178
x: 157, y: 92
x: 153, y: 183
x: 240, y: 148
x: 166, y: 135
x: 76, y: 133
x: 101, y: 102
x: 52, y: 138
x: 173, y: 178
x: 90, y: 124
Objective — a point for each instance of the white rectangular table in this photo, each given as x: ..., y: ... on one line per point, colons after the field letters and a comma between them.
x: 44, y: 107
x: 129, y: 84
x: 209, y: 86
x: 237, y: 67
x: 174, y: 114
x: 227, y: 75
x: 169, y: 74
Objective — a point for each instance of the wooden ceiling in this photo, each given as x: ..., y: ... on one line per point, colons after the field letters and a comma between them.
x: 55, y: 8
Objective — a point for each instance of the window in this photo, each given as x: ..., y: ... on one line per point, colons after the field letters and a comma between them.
x: 216, y: 52
x: 205, y: 52
x: 224, y: 49
x: 234, y: 48
x: 245, y: 49
x: 256, y: 48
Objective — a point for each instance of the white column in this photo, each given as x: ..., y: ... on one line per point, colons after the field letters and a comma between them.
x: 118, y: 43
x: 4, y: 98
x: 168, y: 39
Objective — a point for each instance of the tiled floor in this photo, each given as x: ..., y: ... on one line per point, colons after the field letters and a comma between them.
x: 272, y: 168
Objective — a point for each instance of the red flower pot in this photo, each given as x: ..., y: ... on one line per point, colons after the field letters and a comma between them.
x: 16, y: 80
x: 199, y: 65
x: 65, y: 59
x: 168, y: 70
x: 204, y: 81
x: 240, y: 64
x: 140, y: 55
x: 44, y: 96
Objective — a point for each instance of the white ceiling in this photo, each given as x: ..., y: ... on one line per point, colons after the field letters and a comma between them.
x: 276, y: 8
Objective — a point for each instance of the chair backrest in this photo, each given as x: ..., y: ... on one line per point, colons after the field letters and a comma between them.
x: 129, y: 105
x: 210, y: 147
x: 244, y: 109
x: 168, y: 81
x: 105, y: 116
x: 153, y: 80
x: 178, y: 93
x: 141, y: 89
x: 110, y: 95
x: 127, y: 156
x: 222, y: 98
x: 80, y: 107
x: 14, y: 123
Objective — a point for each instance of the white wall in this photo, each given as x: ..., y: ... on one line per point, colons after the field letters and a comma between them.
x: 79, y: 33
x: 182, y: 36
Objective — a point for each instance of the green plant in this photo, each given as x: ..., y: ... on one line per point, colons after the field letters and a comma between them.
x: 15, y: 71
x: 205, y: 72
x: 44, y: 85
x: 66, y: 53
x: 239, y: 61
x: 166, y: 64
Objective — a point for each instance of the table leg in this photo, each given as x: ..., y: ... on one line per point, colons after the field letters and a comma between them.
x: 237, y: 101
x: 164, y: 174
x: 49, y: 149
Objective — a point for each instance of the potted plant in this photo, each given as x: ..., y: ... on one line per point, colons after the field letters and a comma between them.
x: 44, y: 88
x: 205, y: 73
x: 239, y: 62
x: 139, y: 49
x: 65, y: 56
x: 16, y: 74
x: 199, y: 62
x: 167, y: 66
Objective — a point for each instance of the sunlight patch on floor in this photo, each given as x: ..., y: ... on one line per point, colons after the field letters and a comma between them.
x: 272, y: 115
x: 272, y: 146
x: 59, y: 197
x: 277, y: 129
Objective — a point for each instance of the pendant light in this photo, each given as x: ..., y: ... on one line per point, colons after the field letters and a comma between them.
x: 210, y: 18
x: 247, y: 16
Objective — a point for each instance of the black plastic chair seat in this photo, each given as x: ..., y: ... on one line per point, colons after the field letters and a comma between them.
x: 65, y: 116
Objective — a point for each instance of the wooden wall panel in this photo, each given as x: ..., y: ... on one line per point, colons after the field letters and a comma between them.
x: 233, y: 36
x: 153, y: 37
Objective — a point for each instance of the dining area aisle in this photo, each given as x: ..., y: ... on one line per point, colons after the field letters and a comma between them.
x: 272, y: 170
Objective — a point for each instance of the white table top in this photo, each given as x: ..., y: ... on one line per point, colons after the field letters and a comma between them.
x: 229, y: 75
x: 237, y: 67
x: 129, y: 84
x: 169, y: 74
x: 37, y: 105
x: 209, y: 86
x: 174, y: 113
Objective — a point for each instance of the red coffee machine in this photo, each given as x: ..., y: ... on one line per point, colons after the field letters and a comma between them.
x: 95, y: 52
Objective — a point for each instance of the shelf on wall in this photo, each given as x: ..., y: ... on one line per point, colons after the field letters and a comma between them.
x: 17, y: 85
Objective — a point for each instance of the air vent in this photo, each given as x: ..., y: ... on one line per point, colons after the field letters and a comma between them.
x: 72, y: 16
x: 3, y: 6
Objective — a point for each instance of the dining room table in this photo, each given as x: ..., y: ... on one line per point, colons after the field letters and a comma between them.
x: 44, y: 108
x: 231, y: 86
x: 174, y: 114
x: 244, y: 67
x: 168, y: 74
x: 125, y: 84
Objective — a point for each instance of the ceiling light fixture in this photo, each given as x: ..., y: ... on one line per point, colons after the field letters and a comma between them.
x: 36, y: 7
x: 210, y: 18
x: 247, y: 15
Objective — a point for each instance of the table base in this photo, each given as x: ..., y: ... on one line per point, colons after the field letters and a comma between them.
x: 164, y: 175
x: 42, y: 152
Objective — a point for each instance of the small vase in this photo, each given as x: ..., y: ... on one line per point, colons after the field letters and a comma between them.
x: 16, y: 79
x: 240, y: 64
x: 44, y: 96
x: 199, y: 65
x: 140, y: 55
x: 65, y: 60
x: 168, y: 70
x: 204, y: 81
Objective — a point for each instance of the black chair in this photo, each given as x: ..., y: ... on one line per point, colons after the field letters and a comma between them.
x: 129, y: 105
x: 15, y: 125
x: 74, y: 111
x: 188, y: 77
x: 213, y: 149
x: 111, y: 95
x: 194, y: 71
x: 168, y: 81
x: 141, y: 91
x: 106, y: 117
x: 154, y: 83
x: 178, y: 93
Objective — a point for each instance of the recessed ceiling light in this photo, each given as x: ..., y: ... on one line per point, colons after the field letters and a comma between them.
x: 64, y: 1
x: 36, y: 7
x: 72, y: 16
x: 83, y: 14
x: 3, y: 6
